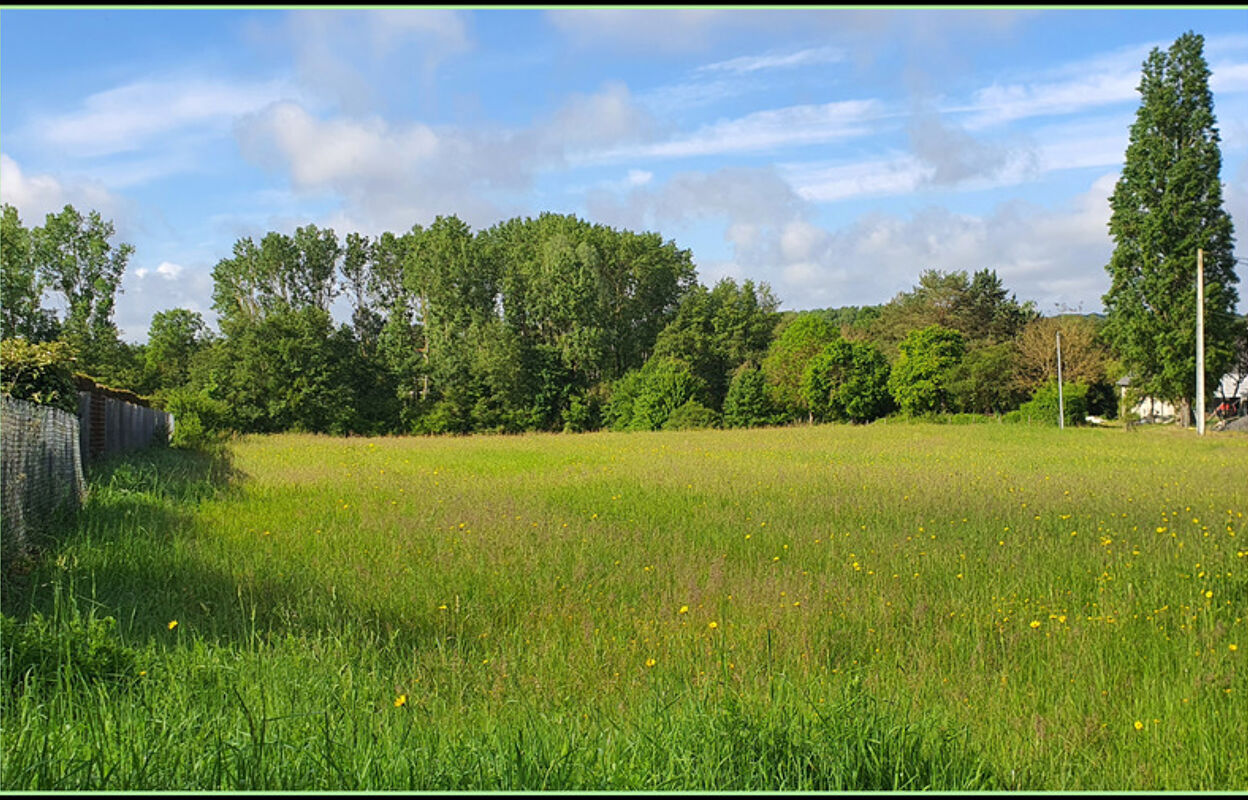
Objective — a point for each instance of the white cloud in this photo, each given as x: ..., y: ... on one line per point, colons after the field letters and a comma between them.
x: 390, y: 174
x: 800, y: 58
x: 1053, y: 255
x: 1103, y: 80
x: 750, y: 199
x: 997, y: 103
x: 35, y: 196
x: 442, y: 31
x: 334, y: 152
x: 168, y: 270
x: 343, y: 55
x: 601, y: 119
x: 145, y: 291
x: 669, y: 29
x: 761, y: 130
x: 139, y: 115
x: 825, y: 183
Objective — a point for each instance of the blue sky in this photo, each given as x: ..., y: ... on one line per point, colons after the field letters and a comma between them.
x: 834, y: 154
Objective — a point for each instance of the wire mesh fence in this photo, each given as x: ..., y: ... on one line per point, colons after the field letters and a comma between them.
x: 41, y: 470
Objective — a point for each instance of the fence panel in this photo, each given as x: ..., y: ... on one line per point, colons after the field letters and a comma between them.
x: 41, y: 469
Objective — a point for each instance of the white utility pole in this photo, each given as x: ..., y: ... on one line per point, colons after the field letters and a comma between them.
x: 1061, y: 406
x: 1200, y: 341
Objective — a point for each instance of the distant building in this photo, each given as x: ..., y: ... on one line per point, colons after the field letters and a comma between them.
x: 1152, y: 409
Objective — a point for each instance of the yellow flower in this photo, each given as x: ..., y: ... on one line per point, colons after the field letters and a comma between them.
x: 683, y: 610
x: 1208, y: 595
x: 713, y: 625
x: 1232, y: 647
x: 401, y: 700
x: 650, y: 662
x: 1139, y: 726
x: 1035, y: 623
x: 173, y: 624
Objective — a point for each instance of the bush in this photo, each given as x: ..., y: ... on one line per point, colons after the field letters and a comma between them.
x: 197, y: 418
x: 41, y: 373
x: 747, y: 404
x: 644, y: 399
x: 919, y: 381
x: 692, y: 416
x: 1042, y: 408
x: 584, y: 413
x: 43, y: 651
x: 847, y: 382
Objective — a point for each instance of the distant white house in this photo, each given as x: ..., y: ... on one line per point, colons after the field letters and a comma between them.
x: 1151, y: 409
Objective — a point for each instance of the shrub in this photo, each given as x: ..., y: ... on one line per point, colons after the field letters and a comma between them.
x: 847, y: 382
x: 747, y: 404
x: 196, y: 417
x: 920, y: 379
x: 584, y: 413
x: 1042, y: 408
x: 692, y: 416
x: 41, y: 373
x: 644, y: 399
x: 43, y: 651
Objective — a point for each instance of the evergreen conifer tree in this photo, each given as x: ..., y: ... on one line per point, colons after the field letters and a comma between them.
x: 1166, y: 205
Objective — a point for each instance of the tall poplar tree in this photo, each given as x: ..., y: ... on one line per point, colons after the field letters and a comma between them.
x: 1166, y: 205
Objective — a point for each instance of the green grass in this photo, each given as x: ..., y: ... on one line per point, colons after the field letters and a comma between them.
x: 880, y: 607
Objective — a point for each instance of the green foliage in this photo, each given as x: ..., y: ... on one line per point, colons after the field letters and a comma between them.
x: 847, y: 382
x: 196, y: 417
x: 748, y: 403
x: 645, y: 398
x: 667, y: 385
x: 585, y: 411
x: 796, y: 344
x: 39, y: 372
x: 855, y: 317
x: 983, y: 382
x: 716, y: 331
x: 172, y: 341
x: 286, y: 371
x: 919, y: 382
x: 63, y: 651
x: 618, y: 412
x: 692, y: 416
x: 21, y: 284
x: 1166, y: 205
x: 1043, y: 407
x: 77, y: 260
x: 978, y: 306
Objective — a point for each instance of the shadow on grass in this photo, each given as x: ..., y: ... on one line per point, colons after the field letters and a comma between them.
x: 128, y: 554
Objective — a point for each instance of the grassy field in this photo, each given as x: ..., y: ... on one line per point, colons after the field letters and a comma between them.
x: 883, y: 607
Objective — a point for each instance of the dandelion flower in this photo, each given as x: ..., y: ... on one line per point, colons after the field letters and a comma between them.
x: 1208, y: 595
x: 173, y: 623
x: 401, y: 700
x: 1232, y: 647
x: 650, y: 662
x: 713, y: 625
x: 683, y: 610
x: 1139, y: 726
x: 1035, y: 623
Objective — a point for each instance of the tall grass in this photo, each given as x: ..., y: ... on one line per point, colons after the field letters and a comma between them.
x: 882, y: 607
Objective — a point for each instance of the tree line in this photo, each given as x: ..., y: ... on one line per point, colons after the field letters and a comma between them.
x: 558, y: 324
x: 536, y: 324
